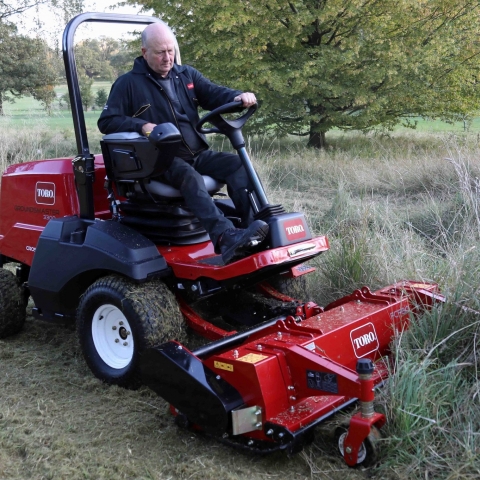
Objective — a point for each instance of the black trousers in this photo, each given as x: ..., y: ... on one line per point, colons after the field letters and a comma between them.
x: 186, y: 176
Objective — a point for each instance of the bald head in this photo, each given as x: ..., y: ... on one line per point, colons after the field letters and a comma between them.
x: 158, y: 47
x: 154, y: 30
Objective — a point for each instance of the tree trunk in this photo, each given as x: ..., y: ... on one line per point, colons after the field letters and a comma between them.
x: 1, y: 105
x: 316, y: 139
x: 318, y: 128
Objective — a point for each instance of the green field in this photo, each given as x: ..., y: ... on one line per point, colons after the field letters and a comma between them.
x: 26, y: 112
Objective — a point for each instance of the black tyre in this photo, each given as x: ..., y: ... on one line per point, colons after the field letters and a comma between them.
x: 367, y: 454
x: 295, y: 287
x: 12, y: 304
x: 118, y: 319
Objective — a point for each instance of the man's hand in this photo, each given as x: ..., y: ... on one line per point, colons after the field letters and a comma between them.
x: 247, y: 98
x: 147, y: 128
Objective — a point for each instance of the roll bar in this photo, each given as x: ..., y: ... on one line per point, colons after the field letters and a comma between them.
x: 83, y: 164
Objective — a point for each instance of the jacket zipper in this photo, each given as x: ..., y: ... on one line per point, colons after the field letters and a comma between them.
x: 173, y: 113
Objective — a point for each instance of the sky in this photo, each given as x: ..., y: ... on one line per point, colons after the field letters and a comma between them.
x: 50, y: 26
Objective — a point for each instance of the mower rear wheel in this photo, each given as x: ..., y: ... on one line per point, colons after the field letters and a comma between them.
x: 12, y: 304
x: 118, y: 319
x: 367, y: 453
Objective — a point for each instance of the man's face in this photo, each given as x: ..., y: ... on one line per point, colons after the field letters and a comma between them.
x: 160, y: 53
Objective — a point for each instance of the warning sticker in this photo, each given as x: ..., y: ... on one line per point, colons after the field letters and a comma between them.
x: 223, y: 366
x: 322, y: 381
x: 252, y: 358
x: 420, y: 285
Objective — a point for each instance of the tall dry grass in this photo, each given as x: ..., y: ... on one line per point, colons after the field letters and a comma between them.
x: 404, y: 208
x: 27, y: 143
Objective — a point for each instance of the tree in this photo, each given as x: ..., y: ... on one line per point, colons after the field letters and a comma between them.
x: 105, y: 58
x: 85, y: 84
x: 46, y: 95
x: 14, y: 7
x: 93, y: 57
x: 24, y: 67
x: 27, y: 65
x: 101, y: 98
x: 320, y: 64
x: 121, y: 60
x: 65, y: 98
x: 67, y: 8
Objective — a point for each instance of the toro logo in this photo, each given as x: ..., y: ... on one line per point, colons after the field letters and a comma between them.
x: 294, y: 229
x: 364, y: 340
x: 45, y: 193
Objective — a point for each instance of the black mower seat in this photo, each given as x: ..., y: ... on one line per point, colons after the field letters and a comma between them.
x: 163, y: 190
x: 130, y: 156
x: 150, y: 205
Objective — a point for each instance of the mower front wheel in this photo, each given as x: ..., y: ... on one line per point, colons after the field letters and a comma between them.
x: 367, y: 453
x: 293, y: 287
x: 118, y: 319
x: 12, y: 304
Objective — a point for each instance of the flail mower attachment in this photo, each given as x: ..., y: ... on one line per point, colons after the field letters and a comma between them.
x: 268, y: 387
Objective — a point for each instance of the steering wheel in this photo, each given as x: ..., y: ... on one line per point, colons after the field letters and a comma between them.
x: 222, y: 125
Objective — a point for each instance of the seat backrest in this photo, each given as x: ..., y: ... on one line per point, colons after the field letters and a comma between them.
x: 130, y: 156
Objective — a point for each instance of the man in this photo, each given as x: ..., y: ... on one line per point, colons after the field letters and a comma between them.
x: 156, y: 91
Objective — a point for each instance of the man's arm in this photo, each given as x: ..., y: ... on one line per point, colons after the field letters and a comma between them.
x: 210, y: 95
x: 116, y: 115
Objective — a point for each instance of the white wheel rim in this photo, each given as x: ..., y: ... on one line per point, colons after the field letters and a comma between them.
x: 112, y: 336
x: 362, y: 451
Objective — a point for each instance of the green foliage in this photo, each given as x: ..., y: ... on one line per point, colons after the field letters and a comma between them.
x: 322, y: 64
x: 86, y: 93
x: 93, y: 55
x: 25, y: 67
x: 101, y: 97
x: 121, y: 60
x: 104, y: 58
x: 65, y: 98
x: 432, y: 400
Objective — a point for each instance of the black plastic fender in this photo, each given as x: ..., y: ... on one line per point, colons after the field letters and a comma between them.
x: 72, y: 253
x: 181, y: 379
x: 288, y: 229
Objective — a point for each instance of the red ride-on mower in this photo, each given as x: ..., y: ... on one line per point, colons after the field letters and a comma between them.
x: 133, y: 268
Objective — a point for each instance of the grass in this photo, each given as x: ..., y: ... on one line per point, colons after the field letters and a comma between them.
x: 393, y: 207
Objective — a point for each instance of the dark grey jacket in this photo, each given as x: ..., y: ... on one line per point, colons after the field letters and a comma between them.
x: 137, y: 98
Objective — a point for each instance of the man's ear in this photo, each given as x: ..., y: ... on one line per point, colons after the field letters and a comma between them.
x: 144, y: 50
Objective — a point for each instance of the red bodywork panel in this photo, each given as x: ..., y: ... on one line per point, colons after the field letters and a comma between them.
x: 33, y: 193
x: 191, y: 262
